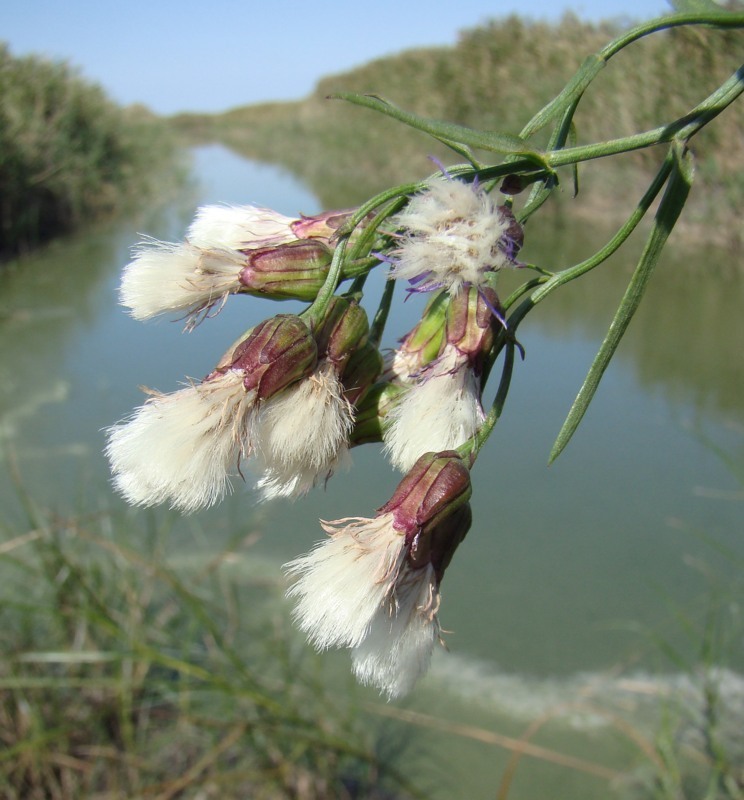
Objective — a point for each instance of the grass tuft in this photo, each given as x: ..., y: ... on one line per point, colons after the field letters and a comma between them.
x: 122, y: 676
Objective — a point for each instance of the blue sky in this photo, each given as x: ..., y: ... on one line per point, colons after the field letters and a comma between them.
x: 216, y: 54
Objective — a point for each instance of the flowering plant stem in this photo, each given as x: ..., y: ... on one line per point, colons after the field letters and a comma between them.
x: 539, y: 167
x: 297, y: 392
x: 393, y: 197
x: 682, y: 128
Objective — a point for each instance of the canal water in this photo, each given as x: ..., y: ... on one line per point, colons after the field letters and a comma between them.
x: 576, y: 580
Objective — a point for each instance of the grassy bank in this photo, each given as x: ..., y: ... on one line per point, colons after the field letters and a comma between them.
x: 496, y: 77
x: 123, y: 675
x: 68, y: 154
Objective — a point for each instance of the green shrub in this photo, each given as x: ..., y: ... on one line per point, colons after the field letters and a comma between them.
x: 67, y: 153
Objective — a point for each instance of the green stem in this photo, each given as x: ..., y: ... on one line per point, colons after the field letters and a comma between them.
x: 542, y: 190
x: 720, y: 20
x: 667, y: 214
x: 316, y: 311
x: 682, y: 128
x: 523, y: 289
x: 593, y: 65
x: 365, y: 241
x: 383, y: 310
x: 565, y: 276
x: 471, y: 448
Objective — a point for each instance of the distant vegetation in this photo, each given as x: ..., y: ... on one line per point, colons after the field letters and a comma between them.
x: 495, y: 77
x: 67, y: 153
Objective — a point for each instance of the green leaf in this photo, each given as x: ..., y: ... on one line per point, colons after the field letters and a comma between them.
x: 447, y: 132
x: 669, y: 210
x: 570, y: 95
x: 462, y: 150
x: 565, y: 130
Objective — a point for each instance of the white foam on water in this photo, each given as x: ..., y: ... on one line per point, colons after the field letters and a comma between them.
x: 587, y: 700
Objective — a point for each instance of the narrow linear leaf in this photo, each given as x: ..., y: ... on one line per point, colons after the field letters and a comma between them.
x: 570, y: 95
x: 462, y: 150
x: 493, y: 141
x: 669, y: 210
x: 565, y: 130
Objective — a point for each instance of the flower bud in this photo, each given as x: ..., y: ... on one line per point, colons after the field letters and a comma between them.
x: 470, y: 320
x: 422, y: 344
x: 434, y: 488
x: 371, y: 412
x: 296, y: 270
x: 362, y: 369
x: 276, y: 353
x: 513, y: 237
x: 322, y: 226
x: 437, y: 545
x: 344, y: 329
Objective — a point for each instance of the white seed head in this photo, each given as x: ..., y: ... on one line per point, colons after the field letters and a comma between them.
x: 438, y: 412
x: 345, y: 580
x: 357, y: 590
x: 452, y: 235
x: 165, y: 277
x: 398, y: 646
x: 401, y: 366
x: 239, y: 227
x: 182, y: 447
x: 301, y: 434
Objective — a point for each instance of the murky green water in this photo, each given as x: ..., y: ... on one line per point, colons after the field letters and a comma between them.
x: 570, y: 574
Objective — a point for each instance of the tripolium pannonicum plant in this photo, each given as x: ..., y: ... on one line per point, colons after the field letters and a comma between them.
x: 300, y: 391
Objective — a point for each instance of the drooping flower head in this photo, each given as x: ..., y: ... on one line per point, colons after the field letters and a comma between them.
x: 302, y: 435
x: 183, y: 447
x: 230, y: 250
x: 166, y: 277
x: 373, y: 585
x: 453, y: 234
x: 441, y: 408
x: 251, y: 227
x: 440, y: 405
x: 236, y: 227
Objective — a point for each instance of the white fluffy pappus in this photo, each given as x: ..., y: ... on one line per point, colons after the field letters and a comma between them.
x: 401, y: 366
x: 165, y: 277
x: 345, y: 579
x: 239, y: 227
x: 439, y: 411
x: 452, y: 235
x: 356, y: 590
x: 398, y: 647
x: 182, y: 447
x: 301, y: 434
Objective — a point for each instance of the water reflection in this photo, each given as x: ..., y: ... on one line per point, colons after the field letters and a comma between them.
x: 686, y: 339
